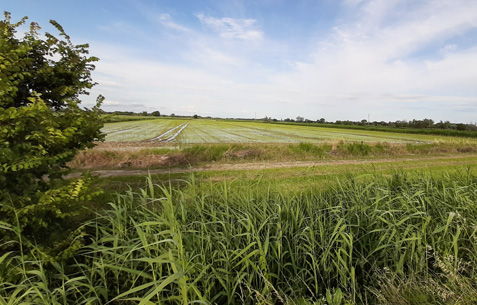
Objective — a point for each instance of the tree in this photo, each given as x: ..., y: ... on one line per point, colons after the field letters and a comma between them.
x: 300, y: 119
x: 156, y: 113
x: 42, y: 125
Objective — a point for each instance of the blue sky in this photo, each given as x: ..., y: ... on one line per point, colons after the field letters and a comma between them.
x: 391, y: 59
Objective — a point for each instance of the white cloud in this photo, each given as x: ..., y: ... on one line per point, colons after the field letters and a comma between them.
x: 209, y: 56
x: 232, y: 28
x: 366, y: 65
x: 449, y: 48
x: 111, y: 103
x: 166, y: 20
x: 379, y: 58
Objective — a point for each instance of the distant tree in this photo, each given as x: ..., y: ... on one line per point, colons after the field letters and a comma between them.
x: 300, y: 119
x: 443, y: 125
x: 144, y: 113
x: 195, y: 116
x: 156, y: 113
x: 402, y: 123
x: 428, y: 123
x: 322, y: 121
x: 172, y: 115
x: 472, y: 127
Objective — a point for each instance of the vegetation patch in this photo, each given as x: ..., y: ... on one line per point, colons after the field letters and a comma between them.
x: 246, y: 243
x: 135, y: 157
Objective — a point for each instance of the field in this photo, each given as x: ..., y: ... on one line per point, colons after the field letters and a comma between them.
x: 172, y: 143
x: 234, y: 212
x: 179, y: 131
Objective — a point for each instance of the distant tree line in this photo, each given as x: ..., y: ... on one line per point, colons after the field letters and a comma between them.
x: 145, y: 113
x: 419, y: 124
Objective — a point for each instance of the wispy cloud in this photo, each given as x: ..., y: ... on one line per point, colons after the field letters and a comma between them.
x: 231, y: 28
x: 393, y: 59
x: 111, y: 103
x: 166, y: 20
x: 379, y: 57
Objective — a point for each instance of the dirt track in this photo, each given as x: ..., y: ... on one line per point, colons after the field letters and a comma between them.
x: 262, y: 166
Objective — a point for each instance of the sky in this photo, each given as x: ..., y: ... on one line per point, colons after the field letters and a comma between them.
x: 335, y: 59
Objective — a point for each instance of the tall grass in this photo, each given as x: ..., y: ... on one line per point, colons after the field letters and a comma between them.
x: 361, y: 241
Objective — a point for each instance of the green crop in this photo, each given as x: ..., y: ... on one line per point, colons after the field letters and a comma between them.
x: 233, y: 131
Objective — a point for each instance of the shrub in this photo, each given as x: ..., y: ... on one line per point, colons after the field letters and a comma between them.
x: 42, y: 125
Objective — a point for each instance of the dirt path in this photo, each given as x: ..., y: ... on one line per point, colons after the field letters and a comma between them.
x: 264, y: 165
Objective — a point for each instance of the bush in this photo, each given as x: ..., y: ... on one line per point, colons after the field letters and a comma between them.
x: 355, y: 149
x: 42, y: 123
x: 309, y: 148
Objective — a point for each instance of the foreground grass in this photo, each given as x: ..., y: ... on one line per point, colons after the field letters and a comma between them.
x: 398, y: 239
x: 295, y: 178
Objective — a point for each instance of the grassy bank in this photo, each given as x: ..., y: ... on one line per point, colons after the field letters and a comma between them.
x: 116, y: 155
x: 115, y: 118
x: 398, y: 239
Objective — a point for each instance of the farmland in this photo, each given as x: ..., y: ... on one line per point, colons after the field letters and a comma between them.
x: 103, y: 206
x: 238, y: 212
x: 169, y: 143
x: 228, y: 131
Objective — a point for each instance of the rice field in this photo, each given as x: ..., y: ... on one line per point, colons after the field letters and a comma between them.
x: 181, y: 131
x: 335, y: 234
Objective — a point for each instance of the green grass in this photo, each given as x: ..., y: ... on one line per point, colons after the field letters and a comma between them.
x: 392, y: 238
x: 113, y: 118
x: 294, y: 178
x: 113, y: 156
x: 408, y: 130
x: 230, y: 131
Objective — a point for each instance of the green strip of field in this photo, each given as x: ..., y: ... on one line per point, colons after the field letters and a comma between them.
x: 299, y: 178
x: 224, y: 131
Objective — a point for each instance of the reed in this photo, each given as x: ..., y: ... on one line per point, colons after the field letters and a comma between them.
x: 396, y: 239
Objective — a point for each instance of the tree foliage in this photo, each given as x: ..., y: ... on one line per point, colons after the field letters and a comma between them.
x: 42, y: 125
